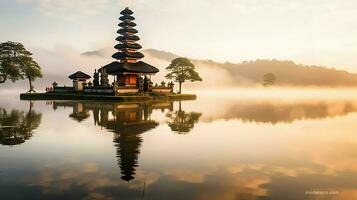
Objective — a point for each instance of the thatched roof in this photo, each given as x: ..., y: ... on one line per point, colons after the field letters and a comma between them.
x: 79, y: 74
x: 127, y: 23
x: 127, y: 46
x: 116, y: 68
x: 126, y: 11
x: 127, y: 30
x: 121, y: 55
x: 127, y: 37
x: 126, y: 17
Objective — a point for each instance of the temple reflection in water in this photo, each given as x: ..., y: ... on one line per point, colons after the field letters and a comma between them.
x: 127, y: 120
x: 72, y: 154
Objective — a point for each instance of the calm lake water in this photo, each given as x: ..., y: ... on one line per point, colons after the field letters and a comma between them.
x: 251, y: 145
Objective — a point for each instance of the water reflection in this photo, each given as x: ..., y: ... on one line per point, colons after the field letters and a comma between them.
x: 276, y: 111
x: 182, y: 122
x: 211, y: 159
x: 128, y: 121
x: 17, y: 126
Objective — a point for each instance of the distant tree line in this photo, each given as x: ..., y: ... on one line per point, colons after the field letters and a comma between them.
x: 287, y: 73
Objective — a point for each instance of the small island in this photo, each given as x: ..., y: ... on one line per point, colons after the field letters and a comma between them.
x: 132, y: 77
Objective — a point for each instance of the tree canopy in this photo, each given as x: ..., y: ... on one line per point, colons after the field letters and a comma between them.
x: 12, y: 54
x: 269, y: 79
x: 17, y: 63
x: 181, y: 70
x: 32, y: 71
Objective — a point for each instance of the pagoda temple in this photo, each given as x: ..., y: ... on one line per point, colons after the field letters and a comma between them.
x: 131, y: 76
x: 127, y: 69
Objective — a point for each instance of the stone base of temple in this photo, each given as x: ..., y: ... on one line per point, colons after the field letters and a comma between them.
x: 162, y: 89
x: 117, y: 90
x: 98, y: 90
x: 103, y: 97
x: 126, y: 90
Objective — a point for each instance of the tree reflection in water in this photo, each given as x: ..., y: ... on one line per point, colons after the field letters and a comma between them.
x: 17, y: 126
x: 182, y: 122
x: 128, y: 121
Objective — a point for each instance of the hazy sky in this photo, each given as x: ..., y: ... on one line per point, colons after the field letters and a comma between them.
x: 322, y: 32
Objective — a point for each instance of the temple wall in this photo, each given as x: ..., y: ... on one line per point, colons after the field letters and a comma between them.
x: 126, y: 90
x: 63, y: 89
x: 109, y: 90
x: 98, y: 90
x: 162, y: 89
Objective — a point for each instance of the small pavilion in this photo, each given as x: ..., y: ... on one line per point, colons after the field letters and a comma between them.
x: 79, y: 80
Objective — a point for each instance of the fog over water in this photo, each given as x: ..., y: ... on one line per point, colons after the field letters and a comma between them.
x: 291, y: 137
x: 264, y: 143
x: 61, y: 62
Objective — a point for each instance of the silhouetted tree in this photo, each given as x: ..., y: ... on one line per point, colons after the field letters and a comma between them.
x: 16, y: 63
x: 11, y: 54
x: 181, y: 70
x: 31, y: 72
x: 269, y: 79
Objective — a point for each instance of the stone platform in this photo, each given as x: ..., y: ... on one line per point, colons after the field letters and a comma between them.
x: 121, y: 98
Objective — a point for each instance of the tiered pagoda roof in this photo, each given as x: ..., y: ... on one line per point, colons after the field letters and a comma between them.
x: 116, y: 68
x: 125, y: 39
x: 128, y: 55
x: 127, y: 24
x: 128, y: 46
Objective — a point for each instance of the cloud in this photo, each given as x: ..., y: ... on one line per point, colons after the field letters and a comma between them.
x: 68, y: 9
x: 314, y: 31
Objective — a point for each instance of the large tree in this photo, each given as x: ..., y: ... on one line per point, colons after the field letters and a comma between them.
x: 16, y: 63
x: 31, y: 72
x: 181, y: 70
x: 11, y: 54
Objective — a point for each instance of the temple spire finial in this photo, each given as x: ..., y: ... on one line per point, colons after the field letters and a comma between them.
x: 127, y: 47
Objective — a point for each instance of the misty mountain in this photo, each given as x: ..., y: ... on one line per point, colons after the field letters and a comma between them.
x: 249, y: 73
x: 58, y: 64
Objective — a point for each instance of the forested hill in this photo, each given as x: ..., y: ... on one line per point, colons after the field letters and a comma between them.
x: 287, y: 73
x: 57, y: 66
